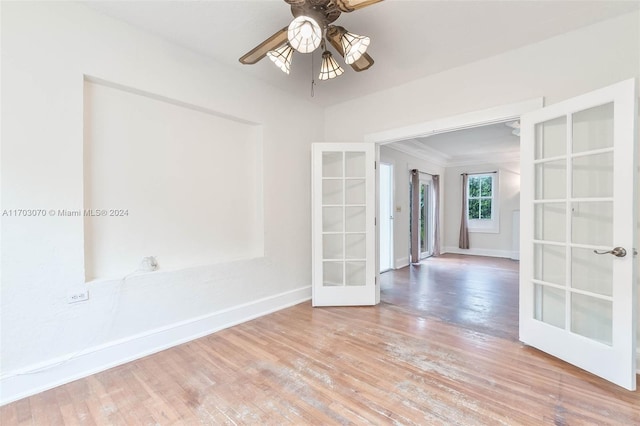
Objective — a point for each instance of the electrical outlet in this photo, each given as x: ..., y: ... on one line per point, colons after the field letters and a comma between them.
x: 77, y: 296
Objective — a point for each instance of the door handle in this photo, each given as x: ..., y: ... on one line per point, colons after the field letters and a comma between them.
x: 617, y: 252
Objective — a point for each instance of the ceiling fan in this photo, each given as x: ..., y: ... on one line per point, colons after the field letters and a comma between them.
x: 312, y: 24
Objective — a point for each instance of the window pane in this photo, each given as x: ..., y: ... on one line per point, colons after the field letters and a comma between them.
x: 355, y: 219
x: 331, y: 191
x: 332, y: 274
x: 592, y: 318
x: 355, y: 191
x: 593, y: 175
x: 356, y: 247
x: 550, y: 222
x: 485, y: 209
x: 593, y: 128
x: 549, y: 305
x: 550, y: 180
x: 591, y: 273
x: 474, y: 209
x: 474, y: 187
x: 549, y: 263
x: 332, y: 164
x: 332, y: 246
x: 592, y: 223
x: 485, y: 188
x: 551, y: 138
x: 356, y: 274
x: 332, y: 219
x: 355, y: 164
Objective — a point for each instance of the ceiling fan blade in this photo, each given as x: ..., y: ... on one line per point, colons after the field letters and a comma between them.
x: 260, y: 51
x: 364, y: 62
x: 351, y: 5
x: 334, y: 33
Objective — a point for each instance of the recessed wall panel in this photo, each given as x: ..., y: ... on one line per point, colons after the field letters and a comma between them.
x: 168, y: 180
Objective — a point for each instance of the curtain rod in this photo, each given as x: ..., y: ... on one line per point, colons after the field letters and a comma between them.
x: 479, y: 173
x: 424, y: 173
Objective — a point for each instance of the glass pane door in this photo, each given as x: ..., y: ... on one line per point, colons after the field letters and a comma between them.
x: 578, y: 190
x: 344, y: 182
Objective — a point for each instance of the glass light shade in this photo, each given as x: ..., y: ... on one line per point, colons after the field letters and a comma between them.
x: 353, y: 46
x: 282, y: 57
x: 329, y: 68
x: 304, y: 34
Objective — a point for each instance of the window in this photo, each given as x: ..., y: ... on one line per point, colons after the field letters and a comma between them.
x: 482, y: 201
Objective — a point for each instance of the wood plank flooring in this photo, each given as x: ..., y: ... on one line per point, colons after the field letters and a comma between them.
x: 441, y: 349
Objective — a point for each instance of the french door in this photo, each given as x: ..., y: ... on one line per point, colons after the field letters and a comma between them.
x: 578, y: 293
x: 343, y: 224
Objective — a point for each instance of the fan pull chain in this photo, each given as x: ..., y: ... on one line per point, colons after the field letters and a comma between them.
x: 313, y: 81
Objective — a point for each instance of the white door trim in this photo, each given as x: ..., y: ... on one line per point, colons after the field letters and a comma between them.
x: 468, y: 120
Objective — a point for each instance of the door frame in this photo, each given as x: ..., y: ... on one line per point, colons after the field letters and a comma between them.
x: 503, y: 113
x: 499, y: 114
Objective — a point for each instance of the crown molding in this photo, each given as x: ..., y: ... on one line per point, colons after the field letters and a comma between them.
x: 491, y: 157
x: 437, y: 160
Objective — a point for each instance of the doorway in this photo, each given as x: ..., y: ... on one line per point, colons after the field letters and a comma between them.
x: 425, y: 215
x: 426, y: 220
x: 386, y: 217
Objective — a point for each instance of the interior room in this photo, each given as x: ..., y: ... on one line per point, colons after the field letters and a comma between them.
x: 190, y: 230
x: 488, y: 148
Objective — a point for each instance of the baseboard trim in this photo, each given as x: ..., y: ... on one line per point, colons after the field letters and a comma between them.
x: 480, y: 252
x: 38, y: 378
x: 401, y: 263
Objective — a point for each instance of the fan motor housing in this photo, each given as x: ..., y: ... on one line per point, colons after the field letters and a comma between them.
x: 322, y: 11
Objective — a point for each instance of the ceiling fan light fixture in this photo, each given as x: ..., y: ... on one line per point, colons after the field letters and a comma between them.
x: 353, y: 46
x: 282, y: 57
x: 304, y: 34
x: 329, y: 68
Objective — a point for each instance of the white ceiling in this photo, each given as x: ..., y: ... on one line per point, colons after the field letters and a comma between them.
x: 490, y: 143
x: 409, y: 39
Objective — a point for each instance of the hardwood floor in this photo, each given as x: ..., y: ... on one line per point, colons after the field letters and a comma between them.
x: 479, y: 293
x: 441, y: 348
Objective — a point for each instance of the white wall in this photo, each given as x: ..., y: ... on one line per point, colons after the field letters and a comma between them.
x: 480, y: 243
x: 47, y: 48
x: 402, y: 164
x: 557, y: 68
